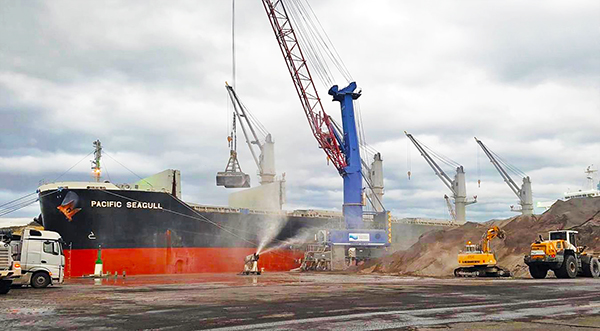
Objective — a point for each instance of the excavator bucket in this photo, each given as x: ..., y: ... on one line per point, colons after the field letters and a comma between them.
x: 233, y: 179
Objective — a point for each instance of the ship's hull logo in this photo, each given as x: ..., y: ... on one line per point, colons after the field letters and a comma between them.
x: 69, y: 205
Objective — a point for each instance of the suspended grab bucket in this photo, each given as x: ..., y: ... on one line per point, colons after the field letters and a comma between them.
x: 233, y: 179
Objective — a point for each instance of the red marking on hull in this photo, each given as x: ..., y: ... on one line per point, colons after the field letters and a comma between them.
x: 141, y: 261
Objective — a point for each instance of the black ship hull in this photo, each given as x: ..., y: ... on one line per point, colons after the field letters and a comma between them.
x: 142, y: 232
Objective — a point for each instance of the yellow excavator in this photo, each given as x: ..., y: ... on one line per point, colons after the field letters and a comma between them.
x: 478, y: 260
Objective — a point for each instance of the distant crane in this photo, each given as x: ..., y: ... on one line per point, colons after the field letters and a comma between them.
x: 450, y: 209
x: 524, y: 193
x: 456, y: 186
x: 376, y: 183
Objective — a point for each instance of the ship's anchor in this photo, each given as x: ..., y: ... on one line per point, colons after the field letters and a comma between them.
x: 91, y: 236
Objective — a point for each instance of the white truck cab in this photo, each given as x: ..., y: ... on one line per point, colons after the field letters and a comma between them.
x: 41, y: 257
x: 569, y: 236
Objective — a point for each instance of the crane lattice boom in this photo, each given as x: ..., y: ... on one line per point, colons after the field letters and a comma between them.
x: 320, y: 123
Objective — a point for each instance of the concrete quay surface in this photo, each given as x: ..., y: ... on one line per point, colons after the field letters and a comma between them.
x: 305, y: 301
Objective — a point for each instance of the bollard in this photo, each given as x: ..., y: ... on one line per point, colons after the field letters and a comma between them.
x: 98, y: 265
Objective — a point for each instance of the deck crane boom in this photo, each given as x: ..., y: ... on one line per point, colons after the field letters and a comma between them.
x: 523, y: 193
x: 265, y: 160
x: 342, y: 149
x: 457, y: 185
x: 450, y: 208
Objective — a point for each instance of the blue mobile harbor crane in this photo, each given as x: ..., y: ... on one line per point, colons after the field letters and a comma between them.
x: 352, y: 172
x: 342, y: 148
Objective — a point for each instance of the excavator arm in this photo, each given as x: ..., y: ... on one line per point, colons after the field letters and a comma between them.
x: 493, y: 232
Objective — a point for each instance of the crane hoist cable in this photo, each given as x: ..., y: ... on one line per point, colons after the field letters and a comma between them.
x: 323, y: 56
x: 440, y: 157
x: 510, y: 167
x: 233, y: 43
x: 293, y: 49
x: 408, y: 160
x: 319, y: 49
x: 478, y: 170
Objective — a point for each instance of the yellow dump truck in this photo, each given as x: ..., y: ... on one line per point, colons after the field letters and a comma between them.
x: 561, y: 254
x: 478, y: 260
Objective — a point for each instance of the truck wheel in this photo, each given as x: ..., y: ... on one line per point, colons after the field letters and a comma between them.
x: 538, y: 272
x: 40, y: 279
x: 568, y: 269
x: 5, y: 286
x: 592, y: 269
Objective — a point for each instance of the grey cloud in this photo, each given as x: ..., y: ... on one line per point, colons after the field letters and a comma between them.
x: 147, y: 79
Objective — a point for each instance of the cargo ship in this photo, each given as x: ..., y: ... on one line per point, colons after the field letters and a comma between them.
x: 149, y: 230
x: 146, y: 228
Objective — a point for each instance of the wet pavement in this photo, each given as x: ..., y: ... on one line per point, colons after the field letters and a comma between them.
x: 291, y: 301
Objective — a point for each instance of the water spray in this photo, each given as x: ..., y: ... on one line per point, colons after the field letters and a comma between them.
x: 305, y: 236
x: 269, y: 232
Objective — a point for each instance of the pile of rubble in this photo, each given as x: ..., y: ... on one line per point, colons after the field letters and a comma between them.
x: 435, y: 254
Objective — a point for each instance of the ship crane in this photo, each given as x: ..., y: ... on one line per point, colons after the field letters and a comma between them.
x: 233, y: 176
x: 342, y: 148
x: 262, y: 150
x: 450, y: 209
x: 457, y: 185
x: 523, y: 193
x: 374, y: 181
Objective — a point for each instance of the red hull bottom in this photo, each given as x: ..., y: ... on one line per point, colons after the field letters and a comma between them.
x: 141, y: 261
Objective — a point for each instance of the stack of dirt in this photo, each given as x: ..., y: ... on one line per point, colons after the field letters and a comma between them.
x: 435, y: 254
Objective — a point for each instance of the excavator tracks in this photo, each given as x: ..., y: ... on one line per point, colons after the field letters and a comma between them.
x: 493, y: 271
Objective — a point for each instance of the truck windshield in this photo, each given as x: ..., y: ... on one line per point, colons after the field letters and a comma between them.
x: 558, y: 236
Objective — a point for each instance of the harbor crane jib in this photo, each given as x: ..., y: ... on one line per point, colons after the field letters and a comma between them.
x: 342, y: 148
x: 265, y: 160
x: 270, y: 195
x: 523, y: 193
x: 457, y: 185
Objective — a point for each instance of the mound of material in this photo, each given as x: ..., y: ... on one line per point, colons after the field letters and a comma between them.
x: 18, y: 229
x: 435, y: 254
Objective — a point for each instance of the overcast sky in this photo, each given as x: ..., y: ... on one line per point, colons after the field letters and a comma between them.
x: 147, y: 79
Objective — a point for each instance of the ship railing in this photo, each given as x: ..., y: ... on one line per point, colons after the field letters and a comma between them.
x: 425, y: 221
x: 295, y: 213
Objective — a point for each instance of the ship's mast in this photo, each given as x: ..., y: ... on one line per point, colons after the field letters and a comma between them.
x: 96, y: 170
x: 589, y: 175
